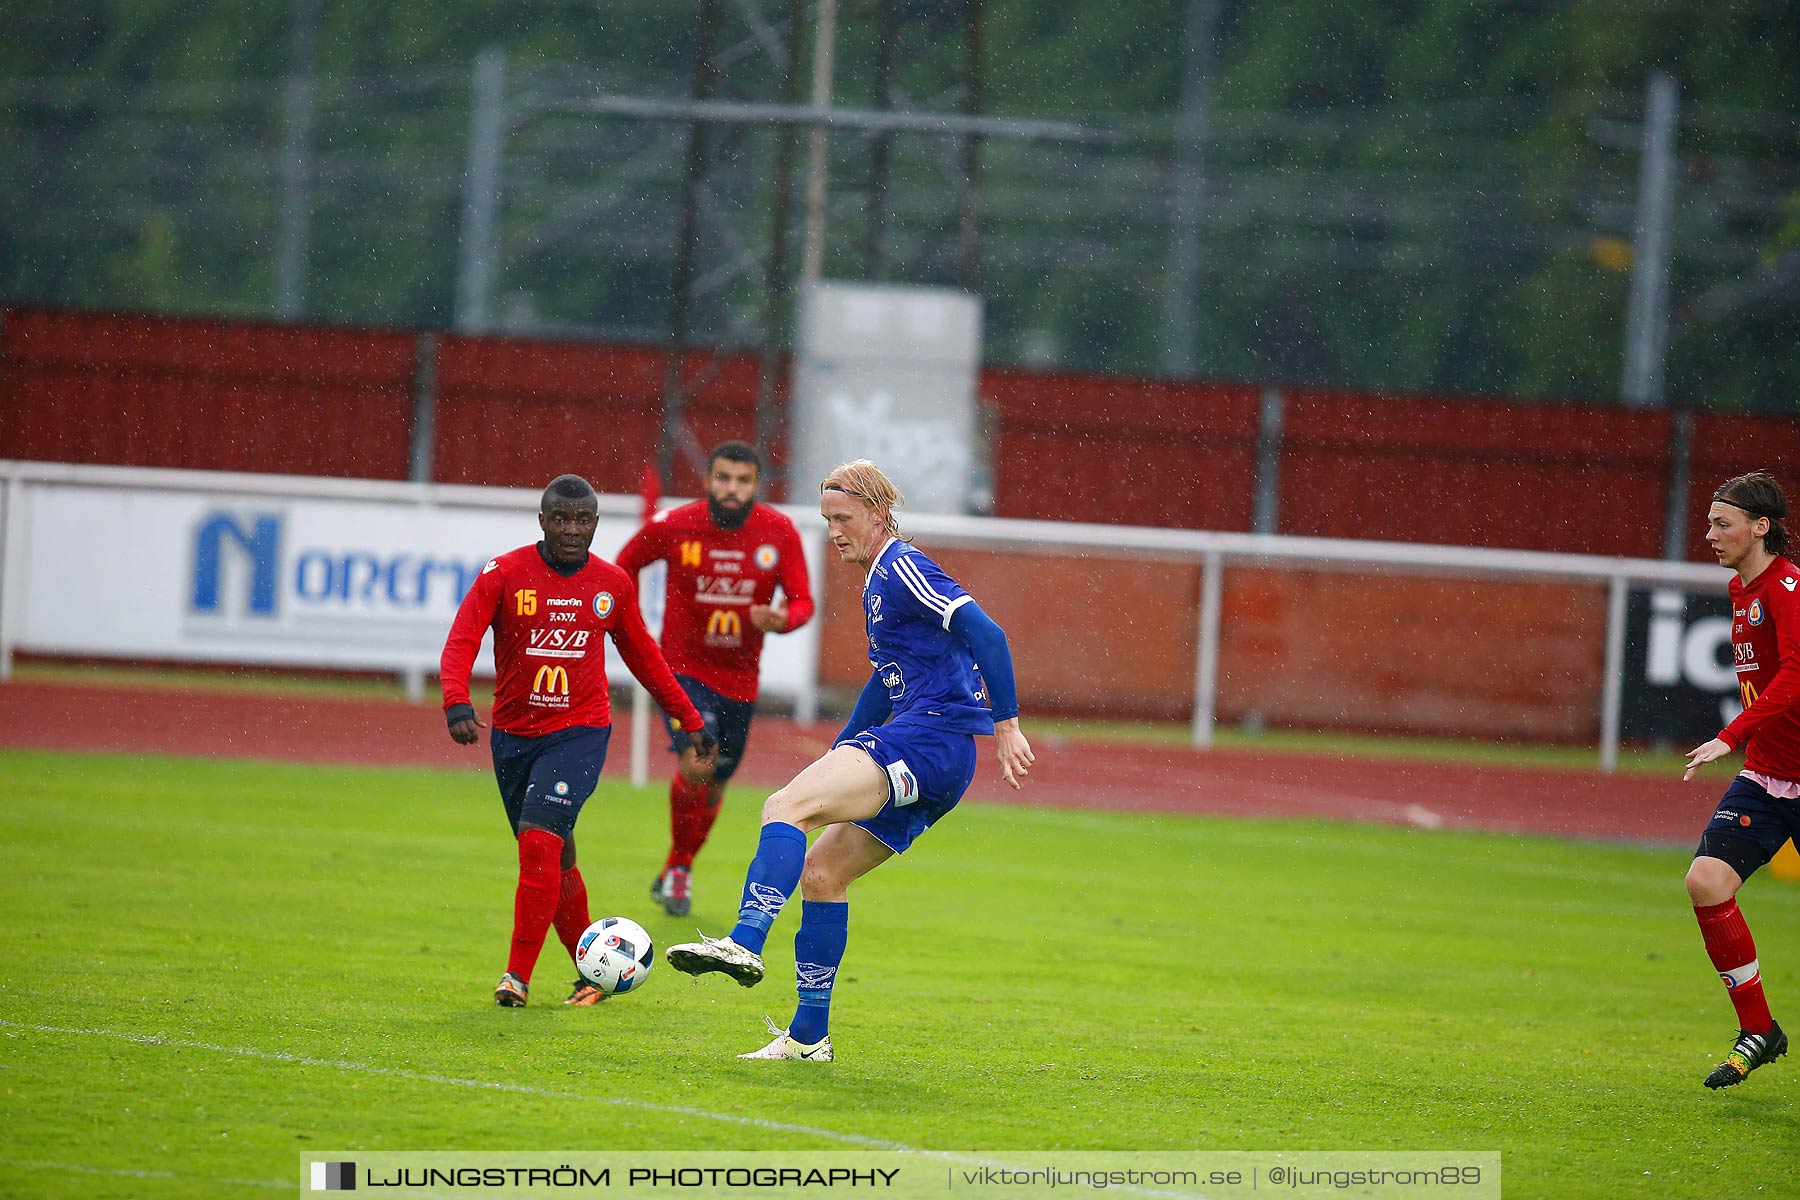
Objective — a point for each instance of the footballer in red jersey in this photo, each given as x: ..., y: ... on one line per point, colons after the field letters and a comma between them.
x: 1761, y: 809
x: 726, y: 556
x: 551, y: 606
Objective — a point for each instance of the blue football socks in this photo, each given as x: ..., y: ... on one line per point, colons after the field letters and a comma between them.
x: 774, y: 874
x: 818, y: 951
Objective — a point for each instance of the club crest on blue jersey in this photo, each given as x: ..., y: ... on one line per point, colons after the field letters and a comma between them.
x: 1755, y: 615
x: 603, y: 604
x: 875, y: 609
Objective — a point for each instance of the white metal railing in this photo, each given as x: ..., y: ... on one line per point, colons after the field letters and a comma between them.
x: 1214, y: 552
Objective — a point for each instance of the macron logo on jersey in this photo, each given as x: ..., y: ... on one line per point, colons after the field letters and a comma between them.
x: 1789, y: 583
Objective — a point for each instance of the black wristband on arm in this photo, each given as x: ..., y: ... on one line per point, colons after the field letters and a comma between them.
x: 459, y: 712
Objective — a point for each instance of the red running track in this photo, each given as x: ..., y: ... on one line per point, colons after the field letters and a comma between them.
x: 1107, y: 775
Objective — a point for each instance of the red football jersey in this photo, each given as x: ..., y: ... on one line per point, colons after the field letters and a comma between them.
x: 549, y: 647
x: 1765, y: 644
x: 715, y: 575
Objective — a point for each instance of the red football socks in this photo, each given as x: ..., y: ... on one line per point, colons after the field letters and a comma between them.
x: 572, y: 910
x: 534, y: 904
x: 690, y: 820
x: 1733, y: 955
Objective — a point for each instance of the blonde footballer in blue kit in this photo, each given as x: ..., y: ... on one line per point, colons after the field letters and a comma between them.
x: 941, y: 674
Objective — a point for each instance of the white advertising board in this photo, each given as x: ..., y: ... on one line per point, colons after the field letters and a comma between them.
x: 889, y: 372
x: 368, y: 582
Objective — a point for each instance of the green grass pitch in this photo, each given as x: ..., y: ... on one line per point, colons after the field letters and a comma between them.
x: 207, y: 967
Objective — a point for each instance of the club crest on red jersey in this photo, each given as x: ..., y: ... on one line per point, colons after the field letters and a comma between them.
x: 1755, y: 615
x: 603, y: 604
x: 767, y: 556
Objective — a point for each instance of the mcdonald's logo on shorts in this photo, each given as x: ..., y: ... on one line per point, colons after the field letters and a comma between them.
x: 724, y: 624
x: 551, y: 681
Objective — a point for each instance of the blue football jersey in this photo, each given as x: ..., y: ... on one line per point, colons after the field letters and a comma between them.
x: 929, y: 672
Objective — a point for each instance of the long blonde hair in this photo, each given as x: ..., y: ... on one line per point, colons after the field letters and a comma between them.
x: 865, y: 481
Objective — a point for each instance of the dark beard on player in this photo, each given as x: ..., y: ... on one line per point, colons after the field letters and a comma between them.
x: 729, y: 518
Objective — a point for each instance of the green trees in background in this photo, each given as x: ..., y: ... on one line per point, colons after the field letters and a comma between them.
x: 1425, y: 195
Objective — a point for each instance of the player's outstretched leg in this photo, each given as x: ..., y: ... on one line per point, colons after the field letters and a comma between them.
x: 1750, y: 1051
x: 773, y: 876
x: 534, y: 908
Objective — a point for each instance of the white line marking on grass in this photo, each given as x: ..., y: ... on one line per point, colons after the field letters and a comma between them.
x: 305, y: 1060
x: 127, y: 1173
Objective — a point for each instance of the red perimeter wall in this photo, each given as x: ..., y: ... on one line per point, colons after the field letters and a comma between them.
x: 515, y: 413
x: 204, y: 395
x: 218, y: 395
x: 1310, y: 649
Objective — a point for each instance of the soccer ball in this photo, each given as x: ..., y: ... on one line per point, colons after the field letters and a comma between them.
x: 615, y: 955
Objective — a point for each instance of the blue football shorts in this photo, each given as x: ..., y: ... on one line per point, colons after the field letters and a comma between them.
x: 1749, y: 826
x: 928, y: 771
x: 726, y: 719
x: 545, y: 780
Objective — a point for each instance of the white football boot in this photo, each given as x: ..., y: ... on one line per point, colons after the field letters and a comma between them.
x: 717, y: 954
x: 786, y: 1047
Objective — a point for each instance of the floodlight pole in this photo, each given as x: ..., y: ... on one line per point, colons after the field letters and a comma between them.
x: 818, y: 165
x: 968, y: 245
x: 1647, y: 317
x: 1187, y: 201
x: 481, y: 189
x: 776, y: 287
x: 687, y: 245
x: 880, y: 146
x: 296, y: 160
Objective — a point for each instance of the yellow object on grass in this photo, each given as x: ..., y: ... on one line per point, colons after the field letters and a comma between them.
x: 1786, y: 863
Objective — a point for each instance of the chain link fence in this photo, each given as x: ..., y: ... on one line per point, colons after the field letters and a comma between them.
x: 1476, y: 247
